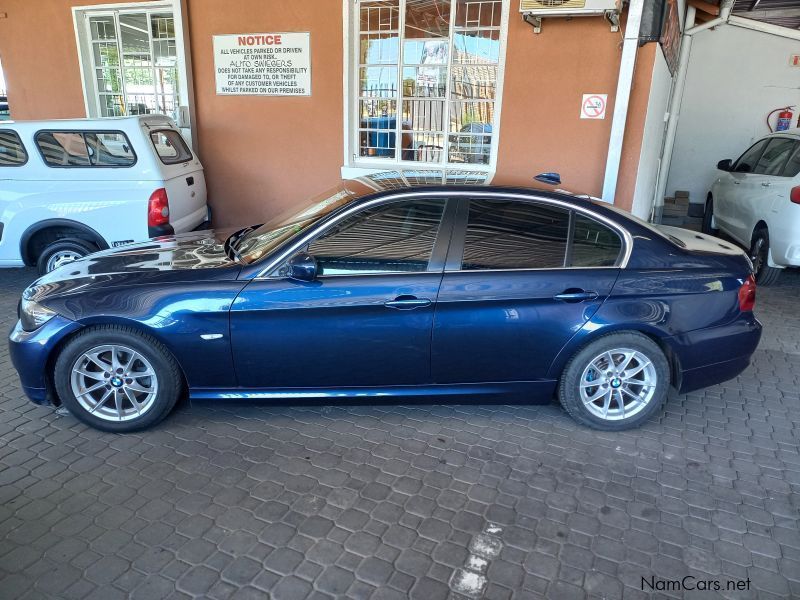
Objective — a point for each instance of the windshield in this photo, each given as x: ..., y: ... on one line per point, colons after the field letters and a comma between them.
x: 261, y: 240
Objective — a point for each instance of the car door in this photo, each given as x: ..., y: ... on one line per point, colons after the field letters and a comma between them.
x: 766, y: 183
x: 366, y: 319
x: 730, y: 211
x: 522, y: 277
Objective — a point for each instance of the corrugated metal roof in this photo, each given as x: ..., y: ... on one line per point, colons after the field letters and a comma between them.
x: 785, y: 13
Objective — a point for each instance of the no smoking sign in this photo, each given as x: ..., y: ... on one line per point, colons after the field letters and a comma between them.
x: 594, y: 106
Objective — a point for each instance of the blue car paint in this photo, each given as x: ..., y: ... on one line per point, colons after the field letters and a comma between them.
x: 483, y: 333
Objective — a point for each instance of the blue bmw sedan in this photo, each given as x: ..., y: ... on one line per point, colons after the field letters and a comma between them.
x: 439, y: 292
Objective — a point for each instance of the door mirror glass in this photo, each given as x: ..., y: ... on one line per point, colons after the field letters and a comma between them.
x: 302, y: 267
x: 725, y: 165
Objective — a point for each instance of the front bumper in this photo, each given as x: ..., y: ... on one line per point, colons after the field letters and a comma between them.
x: 31, y: 351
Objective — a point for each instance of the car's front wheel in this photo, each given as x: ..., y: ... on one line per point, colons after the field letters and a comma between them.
x: 708, y: 218
x: 616, y: 382
x: 759, y: 254
x: 117, y: 379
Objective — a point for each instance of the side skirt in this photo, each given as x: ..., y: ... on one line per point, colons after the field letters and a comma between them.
x: 530, y: 391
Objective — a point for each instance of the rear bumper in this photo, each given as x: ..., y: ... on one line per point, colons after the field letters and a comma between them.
x: 710, y: 356
x: 190, y: 221
x: 30, y: 352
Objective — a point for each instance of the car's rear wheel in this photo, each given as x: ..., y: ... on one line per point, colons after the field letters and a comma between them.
x: 116, y: 379
x: 759, y: 254
x: 62, y: 252
x: 708, y: 218
x: 616, y: 382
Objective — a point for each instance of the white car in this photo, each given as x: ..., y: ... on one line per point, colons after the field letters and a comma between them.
x: 69, y: 188
x: 756, y: 201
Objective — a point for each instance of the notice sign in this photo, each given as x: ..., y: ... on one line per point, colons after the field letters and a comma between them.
x: 263, y: 64
x: 594, y: 106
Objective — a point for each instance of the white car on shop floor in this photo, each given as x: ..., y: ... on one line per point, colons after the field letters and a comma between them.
x: 69, y: 188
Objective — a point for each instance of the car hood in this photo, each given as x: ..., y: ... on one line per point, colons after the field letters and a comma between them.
x: 198, y: 255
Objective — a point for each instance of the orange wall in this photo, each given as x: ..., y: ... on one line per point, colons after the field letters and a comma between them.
x: 546, y: 76
x: 263, y: 154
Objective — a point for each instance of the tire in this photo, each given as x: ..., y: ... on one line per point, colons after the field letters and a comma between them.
x: 708, y: 218
x: 154, y: 394
x: 583, y: 366
x: 759, y: 254
x: 67, y: 250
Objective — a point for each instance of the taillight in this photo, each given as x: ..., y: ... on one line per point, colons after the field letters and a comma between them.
x: 794, y: 195
x: 158, y: 208
x: 747, y: 294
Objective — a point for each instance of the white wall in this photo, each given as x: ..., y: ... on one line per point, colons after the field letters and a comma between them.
x: 652, y: 138
x: 736, y: 76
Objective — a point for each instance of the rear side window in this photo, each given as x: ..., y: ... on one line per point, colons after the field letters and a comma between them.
x: 514, y: 235
x: 170, y: 146
x: 748, y: 161
x: 12, y: 152
x: 85, y: 149
x: 594, y: 244
x: 775, y: 156
x: 792, y: 167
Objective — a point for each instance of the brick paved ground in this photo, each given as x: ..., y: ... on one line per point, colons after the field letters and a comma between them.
x: 409, y: 501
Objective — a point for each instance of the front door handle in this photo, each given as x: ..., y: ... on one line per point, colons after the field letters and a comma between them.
x: 765, y: 184
x: 736, y: 181
x: 407, y: 302
x: 574, y: 295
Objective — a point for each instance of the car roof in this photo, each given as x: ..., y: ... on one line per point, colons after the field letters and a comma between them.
x: 794, y: 132
x: 152, y: 120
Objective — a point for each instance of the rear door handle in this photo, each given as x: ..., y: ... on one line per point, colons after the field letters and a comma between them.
x: 765, y: 184
x: 736, y: 181
x: 407, y: 303
x: 576, y: 296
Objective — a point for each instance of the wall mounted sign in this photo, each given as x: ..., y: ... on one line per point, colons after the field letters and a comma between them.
x: 263, y: 64
x: 594, y: 106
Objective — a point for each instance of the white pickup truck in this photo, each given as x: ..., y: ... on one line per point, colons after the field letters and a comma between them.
x: 72, y: 187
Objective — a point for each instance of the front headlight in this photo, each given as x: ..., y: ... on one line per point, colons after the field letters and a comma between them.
x: 33, y: 315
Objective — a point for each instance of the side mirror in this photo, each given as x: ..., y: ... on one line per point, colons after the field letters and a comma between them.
x: 302, y: 267
x: 725, y: 165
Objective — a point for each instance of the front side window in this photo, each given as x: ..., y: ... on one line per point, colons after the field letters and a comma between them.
x: 792, y: 167
x: 395, y: 238
x: 427, y: 75
x: 170, y: 146
x: 505, y: 234
x: 134, y: 63
x: 12, y: 152
x: 775, y: 156
x: 747, y: 162
x: 85, y: 149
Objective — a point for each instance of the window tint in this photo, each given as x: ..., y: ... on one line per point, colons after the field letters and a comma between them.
x: 593, y: 244
x: 12, y: 152
x: 774, y: 157
x: 792, y: 167
x: 514, y: 235
x: 85, y: 149
x: 110, y: 150
x: 749, y: 159
x: 385, y: 239
x: 170, y: 146
x: 63, y: 149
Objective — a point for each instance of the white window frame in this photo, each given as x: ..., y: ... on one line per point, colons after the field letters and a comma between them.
x: 359, y: 166
x: 91, y: 98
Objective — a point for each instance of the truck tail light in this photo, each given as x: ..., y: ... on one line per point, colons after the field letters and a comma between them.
x: 794, y: 195
x: 158, y: 208
x: 747, y: 294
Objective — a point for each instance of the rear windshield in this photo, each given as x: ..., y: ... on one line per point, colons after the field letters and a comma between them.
x: 649, y: 226
x: 170, y: 146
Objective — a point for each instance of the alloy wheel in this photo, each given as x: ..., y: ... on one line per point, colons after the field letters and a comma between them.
x: 114, y: 383
x: 618, y: 384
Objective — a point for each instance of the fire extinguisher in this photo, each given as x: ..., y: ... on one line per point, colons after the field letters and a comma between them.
x: 784, y: 122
